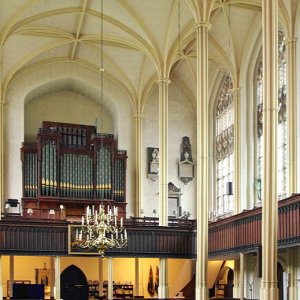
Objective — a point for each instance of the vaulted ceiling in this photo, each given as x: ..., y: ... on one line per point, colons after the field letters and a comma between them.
x: 143, y: 40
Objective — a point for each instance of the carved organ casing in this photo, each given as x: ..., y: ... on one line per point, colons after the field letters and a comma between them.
x: 71, y: 166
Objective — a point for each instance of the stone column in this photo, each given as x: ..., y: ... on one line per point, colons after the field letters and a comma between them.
x: 163, y: 289
x: 241, y: 277
x: 292, y: 113
x: 237, y: 152
x: 100, y: 277
x: 269, y: 288
x: 139, y: 288
x: 57, y: 277
x: 52, y: 276
x: 163, y: 151
x: 292, y: 272
x: 11, y: 274
x: 202, y: 160
x: 110, y: 295
x: 1, y: 278
x: 137, y: 122
x: 2, y: 103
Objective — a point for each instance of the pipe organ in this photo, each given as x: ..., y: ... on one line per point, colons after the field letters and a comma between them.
x: 71, y: 166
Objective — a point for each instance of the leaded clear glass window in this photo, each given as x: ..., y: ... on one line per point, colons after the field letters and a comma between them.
x: 282, y: 123
x: 225, y: 147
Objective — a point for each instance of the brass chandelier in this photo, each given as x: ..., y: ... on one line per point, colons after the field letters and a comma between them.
x: 100, y: 230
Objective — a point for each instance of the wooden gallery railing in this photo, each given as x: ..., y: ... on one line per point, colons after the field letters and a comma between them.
x: 145, y: 239
x: 239, y: 233
x: 242, y: 232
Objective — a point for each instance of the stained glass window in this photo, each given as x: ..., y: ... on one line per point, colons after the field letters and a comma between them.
x: 282, y: 123
x: 225, y: 147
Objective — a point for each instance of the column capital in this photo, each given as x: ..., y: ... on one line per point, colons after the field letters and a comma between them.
x: 166, y: 80
x: 136, y: 116
x: 291, y: 40
x: 203, y: 24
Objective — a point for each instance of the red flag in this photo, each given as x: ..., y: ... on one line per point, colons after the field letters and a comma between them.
x: 150, y: 287
x: 156, y: 280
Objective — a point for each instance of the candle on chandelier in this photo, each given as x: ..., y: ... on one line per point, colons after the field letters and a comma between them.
x: 82, y: 220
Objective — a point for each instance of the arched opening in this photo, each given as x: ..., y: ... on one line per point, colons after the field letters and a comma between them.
x: 282, y: 283
x: 224, y: 283
x: 73, y: 284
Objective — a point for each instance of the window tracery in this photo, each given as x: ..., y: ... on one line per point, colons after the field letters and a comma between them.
x: 224, y: 147
x: 282, y: 122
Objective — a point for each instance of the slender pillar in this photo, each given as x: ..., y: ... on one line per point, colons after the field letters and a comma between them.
x: 237, y: 152
x: 292, y: 273
x: 110, y: 279
x: 202, y: 160
x: 138, y: 118
x: 11, y: 274
x: 57, y: 277
x: 163, y: 288
x: 1, y: 278
x: 292, y: 113
x: 100, y: 277
x: 163, y: 177
x: 2, y: 103
x: 139, y: 288
x: 163, y: 151
x: 269, y: 288
x: 241, y: 277
x: 52, y: 276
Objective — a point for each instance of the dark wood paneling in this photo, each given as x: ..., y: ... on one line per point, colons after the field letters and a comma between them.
x: 50, y: 238
x: 242, y: 232
x: 238, y: 233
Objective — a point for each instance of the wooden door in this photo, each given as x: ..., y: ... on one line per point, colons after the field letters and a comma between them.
x: 73, y: 284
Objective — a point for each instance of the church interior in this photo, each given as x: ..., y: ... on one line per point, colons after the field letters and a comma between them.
x: 149, y: 149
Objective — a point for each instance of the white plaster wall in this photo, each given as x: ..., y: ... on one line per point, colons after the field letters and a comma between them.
x: 150, y: 139
x: 182, y: 122
x: 64, y: 106
x: 87, y: 83
x: 14, y: 136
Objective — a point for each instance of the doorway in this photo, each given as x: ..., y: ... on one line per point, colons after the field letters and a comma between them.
x: 73, y: 284
x: 282, y: 283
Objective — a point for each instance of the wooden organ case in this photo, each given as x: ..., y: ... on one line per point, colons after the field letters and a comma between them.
x: 70, y: 167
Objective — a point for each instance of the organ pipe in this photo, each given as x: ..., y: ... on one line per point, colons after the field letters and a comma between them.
x: 73, y: 161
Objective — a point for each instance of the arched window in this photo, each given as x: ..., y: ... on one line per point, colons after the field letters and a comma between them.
x: 282, y: 123
x: 225, y: 147
x: 282, y: 120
